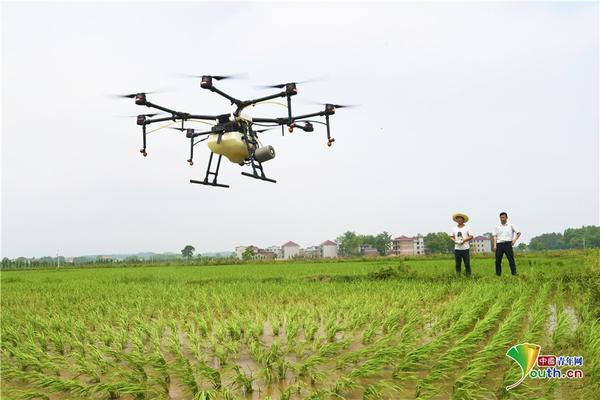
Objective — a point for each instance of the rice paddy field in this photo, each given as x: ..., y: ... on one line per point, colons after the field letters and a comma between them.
x: 379, y: 329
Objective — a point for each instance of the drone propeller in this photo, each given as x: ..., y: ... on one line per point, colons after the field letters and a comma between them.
x: 215, y: 77
x: 262, y: 130
x: 282, y: 85
x: 335, y: 105
x: 143, y: 115
x: 133, y: 95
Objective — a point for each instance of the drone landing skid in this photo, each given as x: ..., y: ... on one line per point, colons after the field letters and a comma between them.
x: 256, y: 168
x: 209, y: 183
x: 209, y: 172
x: 262, y: 178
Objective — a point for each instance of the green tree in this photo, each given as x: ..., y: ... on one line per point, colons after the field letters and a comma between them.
x: 188, y: 251
x: 382, y: 242
x: 438, y: 242
x: 548, y: 241
x: 586, y: 236
x: 522, y: 246
x: 348, y: 244
x: 248, y: 253
x: 47, y: 260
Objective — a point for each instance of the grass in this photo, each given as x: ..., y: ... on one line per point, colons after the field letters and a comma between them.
x: 374, y: 329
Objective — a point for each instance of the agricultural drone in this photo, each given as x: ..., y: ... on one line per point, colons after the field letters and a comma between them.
x: 233, y: 135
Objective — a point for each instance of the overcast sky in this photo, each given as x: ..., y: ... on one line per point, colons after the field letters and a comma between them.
x: 472, y: 107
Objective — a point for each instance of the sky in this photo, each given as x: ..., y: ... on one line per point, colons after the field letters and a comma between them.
x: 463, y: 107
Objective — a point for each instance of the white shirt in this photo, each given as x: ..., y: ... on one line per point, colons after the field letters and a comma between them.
x: 505, y: 233
x: 460, y: 234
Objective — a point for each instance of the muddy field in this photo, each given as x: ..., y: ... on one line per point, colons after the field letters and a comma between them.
x: 348, y: 330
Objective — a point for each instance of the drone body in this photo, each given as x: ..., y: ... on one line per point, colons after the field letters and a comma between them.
x: 233, y: 135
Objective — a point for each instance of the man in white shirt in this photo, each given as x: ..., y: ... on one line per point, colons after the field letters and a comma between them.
x: 462, y: 235
x: 505, y: 237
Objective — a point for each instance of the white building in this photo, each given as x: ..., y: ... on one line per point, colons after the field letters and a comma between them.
x: 418, y: 245
x: 239, y: 251
x: 481, y: 244
x: 329, y: 249
x: 290, y: 249
x: 311, y: 252
x: 277, y: 250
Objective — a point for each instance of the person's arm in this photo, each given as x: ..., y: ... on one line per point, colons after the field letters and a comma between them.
x: 469, y: 236
x: 452, y: 237
x: 516, y: 237
x: 494, y: 240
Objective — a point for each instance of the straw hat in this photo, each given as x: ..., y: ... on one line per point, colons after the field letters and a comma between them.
x: 465, y: 217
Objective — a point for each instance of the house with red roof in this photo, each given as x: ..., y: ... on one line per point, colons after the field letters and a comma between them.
x: 408, y: 246
x: 481, y: 244
x: 329, y: 249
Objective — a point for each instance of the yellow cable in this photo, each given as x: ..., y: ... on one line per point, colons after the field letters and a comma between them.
x: 270, y: 102
x: 161, y: 127
x: 176, y: 122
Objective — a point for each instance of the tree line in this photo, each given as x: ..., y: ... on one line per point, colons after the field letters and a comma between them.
x: 350, y: 243
x: 573, y: 238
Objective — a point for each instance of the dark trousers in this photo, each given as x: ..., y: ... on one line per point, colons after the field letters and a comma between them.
x: 501, y: 249
x: 464, y: 256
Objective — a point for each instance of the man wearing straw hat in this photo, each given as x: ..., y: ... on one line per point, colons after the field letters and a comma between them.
x: 462, y: 235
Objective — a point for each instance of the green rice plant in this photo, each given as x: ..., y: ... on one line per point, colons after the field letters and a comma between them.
x: 205, y: 395
x: 332, y: 329
x: 344, y: 384
x: 469, y: 384
x: 591, y: 350
x: 538, y: 318
x: 211, y: 374
x: 82, y: 367
x: 255, y: 328
x: 27, y: 395
x: 276, y: 326
x: 392, y: 322
x: 367, y: 336
x: 242, y: 380
x: 319, y: 394
x: 414, y: 359
x: 377, y: 391
x: 292, y: 328
x: 227, y: 394
x: 58, y: 324
x: 266, y: 373
x: 288, y: 392
x: 311, y: 327
x: 116, y: 390
x: 427, y: 388
x: 324, y: 353
x: 561, y: 333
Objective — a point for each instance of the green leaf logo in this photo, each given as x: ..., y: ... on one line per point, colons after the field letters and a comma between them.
x: 524, y: 354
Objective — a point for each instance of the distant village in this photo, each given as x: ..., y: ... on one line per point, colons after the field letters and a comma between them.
x: 401, y: 246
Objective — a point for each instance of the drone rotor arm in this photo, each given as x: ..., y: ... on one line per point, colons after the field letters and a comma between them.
x: 259, y: 100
